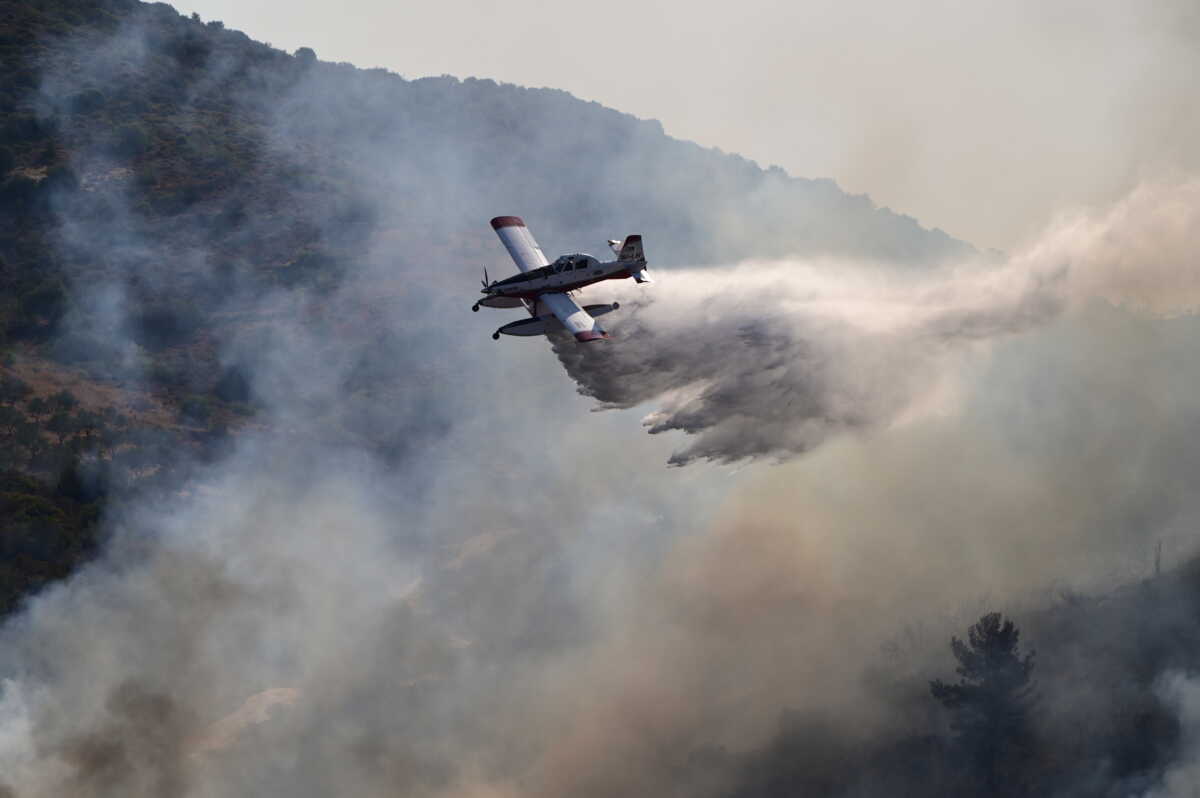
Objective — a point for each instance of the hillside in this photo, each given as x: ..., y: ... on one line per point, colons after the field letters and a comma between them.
x: 1107, y: 671
x: 239, y: 375
x: 163, y: 176
x: 171, y: 192
x: 194, y: 111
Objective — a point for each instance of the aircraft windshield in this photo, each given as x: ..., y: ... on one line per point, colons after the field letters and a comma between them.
x: 565, y: 263
x: 577, y: 261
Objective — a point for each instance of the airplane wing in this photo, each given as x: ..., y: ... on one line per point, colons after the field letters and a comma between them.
x: 525, y: 251
x: 520, y: 243
x: 575, y: 319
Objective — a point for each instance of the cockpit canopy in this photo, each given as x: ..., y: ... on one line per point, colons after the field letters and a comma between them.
x: 567, y: 263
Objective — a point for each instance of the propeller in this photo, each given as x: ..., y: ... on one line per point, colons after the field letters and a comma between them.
x: 485, y: 279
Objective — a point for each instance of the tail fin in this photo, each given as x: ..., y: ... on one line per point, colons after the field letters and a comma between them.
x: 632, y: 249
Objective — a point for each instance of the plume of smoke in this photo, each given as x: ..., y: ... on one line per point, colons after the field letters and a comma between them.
x: 1141, y: 252
x: 482, y: 616
x: 770, y: 359
x: 1179, y: 780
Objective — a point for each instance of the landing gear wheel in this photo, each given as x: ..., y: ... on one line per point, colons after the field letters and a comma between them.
x: 475, y: 308
x: 495, y: 336
x: 616, y: 306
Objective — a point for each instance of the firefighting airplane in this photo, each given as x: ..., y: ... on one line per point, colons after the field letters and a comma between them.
x: 542, y: 287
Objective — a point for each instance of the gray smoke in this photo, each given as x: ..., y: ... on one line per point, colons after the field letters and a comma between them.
x: 425, y: 568
x: 1180, y: 691
x: 770, y: 359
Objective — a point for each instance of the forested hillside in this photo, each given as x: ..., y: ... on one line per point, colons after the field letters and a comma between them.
x: 163, y: 181
x: 208, y: 243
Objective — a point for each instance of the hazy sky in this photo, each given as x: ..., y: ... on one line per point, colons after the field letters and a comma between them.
x: 982, y: 118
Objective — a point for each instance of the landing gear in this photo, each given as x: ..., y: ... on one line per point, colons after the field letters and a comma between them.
x: 496, y: 336
x: 616, y: 305
x: 475, y: 308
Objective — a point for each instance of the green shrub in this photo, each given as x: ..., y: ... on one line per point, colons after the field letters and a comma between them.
x: 190, y: 50
x: 50, y: 154
x: 128, y: 141
x: 47, y: 300
x: 149, y: 175
x: 161, y: 326
x: 12, y: 481
x: 13, y: 389
x: 61, y: 177
x: 23, y: 128
x: 232, y: 386
x: 87, y: 101
x: 64, y: 401
x: 17, y: 194
x: 26, y: 508
x: 32, y: 527
x: 172, y: 376
x: 197, y: 409
x: 311, y: 267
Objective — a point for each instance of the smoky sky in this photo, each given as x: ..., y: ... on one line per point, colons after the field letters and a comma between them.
x: 982, y: 119
x: 522, y: 599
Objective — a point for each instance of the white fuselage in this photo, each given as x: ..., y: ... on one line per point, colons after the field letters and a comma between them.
x: 565, y: 274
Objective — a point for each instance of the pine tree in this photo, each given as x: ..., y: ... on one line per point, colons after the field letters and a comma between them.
x: 991, y: 705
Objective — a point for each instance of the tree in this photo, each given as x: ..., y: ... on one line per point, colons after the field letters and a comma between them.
x: 38, y: 407
x: 17, y: 194
x: 62, y: 425
x: 13, y: 389
x: 10, y: 419
x: 29, y: 437
x: 128, y: 141
x: 88, y: 425
x: 63, y: 402
x: 40, y: 307
x: 991, y: 705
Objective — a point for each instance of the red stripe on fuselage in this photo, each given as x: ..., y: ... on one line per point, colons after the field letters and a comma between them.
x: 560, y: 289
